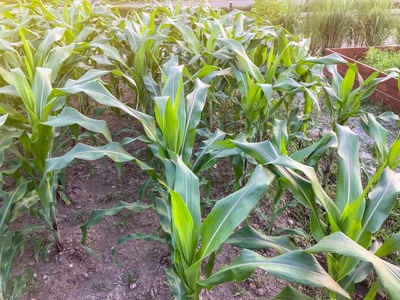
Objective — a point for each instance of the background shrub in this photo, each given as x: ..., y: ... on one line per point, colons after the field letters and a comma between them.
x: 271, y: 10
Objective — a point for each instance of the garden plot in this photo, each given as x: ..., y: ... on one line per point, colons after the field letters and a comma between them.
x: 186, y: 152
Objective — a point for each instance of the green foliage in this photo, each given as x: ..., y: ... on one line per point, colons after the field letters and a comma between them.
x: 270, y: 10
x: 374, y: 22
x: 382, y: 59
x: 291, y: 17
x: 330, y: 23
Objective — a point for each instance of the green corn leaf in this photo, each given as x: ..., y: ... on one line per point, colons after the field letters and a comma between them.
x: 205, y: 71
x: 7, y: 77
x: 9, y: 198
x: 374, y: 290
x: 183, y: 227
x: 306, y: 191
x: 171, y: 127
x: 291, y: 293
x: 388, y: 274
x: 238, y: 49
x: 50, y: 38
x: 229, y: 212
x: 280, y: 132
x: 188, y: 36
x: 394, y: 152
x: 89, y: 76
x: 56, y: 57
x: 178, y: 288
x: 194, y: 106
x: 379, y: 134
x: 267, y: 90
x: 263, y: 152
x: 23, y: 204
x: 173, y: 86
x: 391, y: 245
x: 359, y: 274
x: 9, y: 90
x: 332, y: 59
x: 82, y: 36
x: 289, y: 85
x: 151, y: 85
x: 302, y: 190
x: 296, y: 266
x: 314, y: 152
x: 201, y: 155
x: 3, y: 119
x: 388, y: 116
x: 111, y: 52
x: 70, y: 116
x: 187, y: 186
x: 5, y: 8
x: 12, y: 244
x: 159, y: 105
x: 347, y: 85
x: 348, y: 186
x: 113, y: 150
x: 380, y: 202
x: 99, y: 93
x: 135, y: 236
x: 28, y: 52
x: 249, y: 238
x: 48, y: 15
x: 164, y: 214
x: 99, y: 214
x: 25, y: 92
x: 41, y: 89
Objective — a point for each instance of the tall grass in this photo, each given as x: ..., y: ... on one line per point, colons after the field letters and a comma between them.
x: 375, y: 22
x: 291, y: 18
x: 329, y: 22
x: 332, y: 23
x: 270, y: 10
x: 396, y: 29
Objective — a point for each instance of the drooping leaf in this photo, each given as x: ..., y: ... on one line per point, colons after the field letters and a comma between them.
x: 391, y: 245
x: 295, y: 266
x: 291, y: 293
x: 99, y: 93
x: 70, y: 116
x: 231, y: 211
x: 248, y: 238
x: 112, y: 150
x: 341, y: 244
x: 98, y: 215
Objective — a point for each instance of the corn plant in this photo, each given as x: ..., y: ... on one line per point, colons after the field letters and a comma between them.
x: 374, y: 22
x: 184, y: 66
x: 145, y: 53
x: 29, y: 138
x: 383, y: 155
x: 352, y: 213
x: 343, y: 100
x: 12, y: 244
x: 266, y: 151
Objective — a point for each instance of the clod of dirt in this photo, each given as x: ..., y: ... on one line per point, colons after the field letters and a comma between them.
x: 117, y: 294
